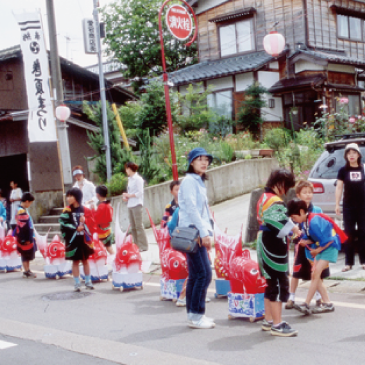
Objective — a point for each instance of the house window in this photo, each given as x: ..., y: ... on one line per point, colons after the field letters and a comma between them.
x: 221, y: 102
x: 350, y: 27
x: 236, y: 38
x: 352, y: 108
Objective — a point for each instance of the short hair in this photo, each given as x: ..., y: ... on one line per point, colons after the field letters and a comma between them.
x: 303, y: 184
x: 281, y: 178
x: 131, y: 165
x: 76, y: 193
x: 78, y: 167
x: 102, y: 190
x: 174, y: 183
x: 27, y: 197
x: 15, y: 181
x: 295, y: 206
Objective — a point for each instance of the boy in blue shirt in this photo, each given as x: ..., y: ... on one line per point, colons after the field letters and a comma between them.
x: 303, y: 263
x: 322, y: 239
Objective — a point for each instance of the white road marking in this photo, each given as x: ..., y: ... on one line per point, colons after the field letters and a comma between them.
x: 5, y: 345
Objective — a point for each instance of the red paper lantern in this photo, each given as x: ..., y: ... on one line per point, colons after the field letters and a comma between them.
x: 63, y: 112
x: 274, y: 43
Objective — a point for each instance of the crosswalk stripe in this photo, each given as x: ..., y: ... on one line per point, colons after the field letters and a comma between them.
x: 5, y: 345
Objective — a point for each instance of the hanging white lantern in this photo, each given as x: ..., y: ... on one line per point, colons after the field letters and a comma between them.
x: 274, y: 43
x: 63, y: 112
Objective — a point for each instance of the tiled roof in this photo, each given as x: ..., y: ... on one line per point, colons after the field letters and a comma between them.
x: 12, y: 52
x: 332, y: 57
x: 15, y: 52
x: 296, y: 83
x: 220, y: 68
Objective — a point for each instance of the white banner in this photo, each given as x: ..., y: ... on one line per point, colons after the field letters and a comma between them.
x: 41, y: 120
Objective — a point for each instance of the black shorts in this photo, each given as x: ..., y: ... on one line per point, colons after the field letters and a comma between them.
x: 27, y: 255
x: 303, y: 267
x: 277, y: 289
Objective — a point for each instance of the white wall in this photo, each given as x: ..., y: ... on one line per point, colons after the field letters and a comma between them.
x: 303, y: 65
x: 204, y: 5
x: 268, y: 79
x: 222, y: 83
x: 243, y: 81
x: 273, y: 114
x: 341, y: 68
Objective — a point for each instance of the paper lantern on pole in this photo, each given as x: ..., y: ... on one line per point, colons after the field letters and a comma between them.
x: 63, y: 112
x: 274, y: 43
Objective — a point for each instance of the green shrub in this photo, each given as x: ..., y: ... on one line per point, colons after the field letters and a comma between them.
x: 248, y: 157
x: 117, y: 184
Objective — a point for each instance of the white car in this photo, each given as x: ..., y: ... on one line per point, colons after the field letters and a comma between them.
x: 323, y: 175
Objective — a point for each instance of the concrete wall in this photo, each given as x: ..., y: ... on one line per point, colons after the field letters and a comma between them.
x: 225, y: 182
x: 44, y: 202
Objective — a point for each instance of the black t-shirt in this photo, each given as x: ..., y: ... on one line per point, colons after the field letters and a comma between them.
x: 354, y: 185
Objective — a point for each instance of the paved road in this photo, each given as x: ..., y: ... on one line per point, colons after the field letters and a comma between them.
x: 136, y: 328
x: 17, y: 351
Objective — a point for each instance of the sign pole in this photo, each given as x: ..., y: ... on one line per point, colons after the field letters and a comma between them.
x: 165, y: 75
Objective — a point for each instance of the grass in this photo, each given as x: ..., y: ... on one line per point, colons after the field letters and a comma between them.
x: 340, y: 278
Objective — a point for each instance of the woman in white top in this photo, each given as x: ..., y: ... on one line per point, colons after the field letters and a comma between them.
x: 14, y: 199
x: 86, y: 186
x: 134, y: 197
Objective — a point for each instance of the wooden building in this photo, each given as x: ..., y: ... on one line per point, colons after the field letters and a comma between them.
x: 324, y: 56
x: 36, y: 165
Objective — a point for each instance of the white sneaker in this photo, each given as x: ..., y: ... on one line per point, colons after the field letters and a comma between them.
x: 202, y: 324
x: 210, y: 319
x: 181, y: 302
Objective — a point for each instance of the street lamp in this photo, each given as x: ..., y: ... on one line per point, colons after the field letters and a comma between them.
x: 63, y: 112
x: 274, y: 43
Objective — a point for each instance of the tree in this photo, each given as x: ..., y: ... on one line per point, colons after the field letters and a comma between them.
x: 96, y: 141
x: 250, y: 111
x: 132, y: 37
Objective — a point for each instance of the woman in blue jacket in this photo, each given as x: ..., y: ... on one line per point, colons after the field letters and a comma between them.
x: 194, y: 211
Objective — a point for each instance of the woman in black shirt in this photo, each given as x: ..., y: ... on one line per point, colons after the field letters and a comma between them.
x: 351, y: 180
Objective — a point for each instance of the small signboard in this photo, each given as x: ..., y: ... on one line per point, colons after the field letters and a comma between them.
x: 89, y: 36
x: 179, y: 22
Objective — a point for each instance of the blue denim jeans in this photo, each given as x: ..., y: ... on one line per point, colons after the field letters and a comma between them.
x: 200, y: 276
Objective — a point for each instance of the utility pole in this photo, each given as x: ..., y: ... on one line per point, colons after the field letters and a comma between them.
x: 102, y: 93
x: 58, y: 94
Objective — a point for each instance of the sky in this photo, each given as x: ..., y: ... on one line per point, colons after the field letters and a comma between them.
x: 69, y: 15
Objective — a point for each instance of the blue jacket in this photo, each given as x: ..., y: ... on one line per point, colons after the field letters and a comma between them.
x: 2, y: 211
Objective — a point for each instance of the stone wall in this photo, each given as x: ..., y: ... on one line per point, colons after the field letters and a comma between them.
x: 225, y: 182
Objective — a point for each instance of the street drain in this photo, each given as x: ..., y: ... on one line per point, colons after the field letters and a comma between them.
x: 65, y: 296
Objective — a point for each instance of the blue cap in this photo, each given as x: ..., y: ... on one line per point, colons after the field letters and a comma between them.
x: 196, y: 152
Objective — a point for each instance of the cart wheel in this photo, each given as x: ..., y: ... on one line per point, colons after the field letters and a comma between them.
x: 230, y: 317
x: 113, y: 287
x: 57, y: 277
x: 121, y: 289
x: 252, y: 319
x: 216, y: 295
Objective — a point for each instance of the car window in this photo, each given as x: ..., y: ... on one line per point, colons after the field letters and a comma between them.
x: 329, y: 163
